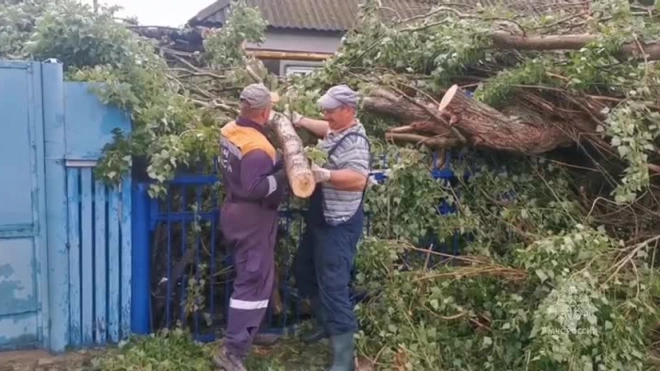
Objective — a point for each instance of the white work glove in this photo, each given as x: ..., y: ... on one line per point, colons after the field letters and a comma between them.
x: 320, y: 174
x: 296, y: 118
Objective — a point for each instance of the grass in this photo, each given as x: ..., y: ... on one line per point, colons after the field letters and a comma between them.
x: 176, y: 351
x: 291, y: 355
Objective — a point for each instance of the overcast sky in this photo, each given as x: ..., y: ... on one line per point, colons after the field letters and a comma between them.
x: 172, y: 13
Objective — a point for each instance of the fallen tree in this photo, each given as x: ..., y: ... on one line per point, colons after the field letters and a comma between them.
x: 557, y: 132
x: 460, y: 120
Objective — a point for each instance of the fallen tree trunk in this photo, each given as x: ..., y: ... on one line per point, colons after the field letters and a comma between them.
x: 383, y: 102
x: 504, y: 40
x: 297, y: 167
x: 487, y: 127
x: 480, y: 124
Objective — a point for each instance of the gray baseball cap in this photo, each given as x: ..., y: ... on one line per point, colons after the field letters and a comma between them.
x: 337, y: 96
x: 258, y: 96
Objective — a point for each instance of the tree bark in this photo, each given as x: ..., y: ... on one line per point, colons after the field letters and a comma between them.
x: 505, y: 40
x: 297, y: 167
x: 480, y: 124
x: 487, y: 127
x: 386, y: 103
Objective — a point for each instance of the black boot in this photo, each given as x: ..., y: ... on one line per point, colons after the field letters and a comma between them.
x: 265, y: 339
x: 342, y: 351
x: 317, y: 333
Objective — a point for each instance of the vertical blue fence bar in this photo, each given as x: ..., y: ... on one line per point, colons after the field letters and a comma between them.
x: 114, y: 265
x: 126, y: 266
x: 101, y: 263
x: 56, y: 204
x: 87, y: 249
x: 75, y: 284
x: 141, y: 283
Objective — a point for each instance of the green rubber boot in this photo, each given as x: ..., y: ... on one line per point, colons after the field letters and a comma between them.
x: 343, y: 347
x: 317, y: 333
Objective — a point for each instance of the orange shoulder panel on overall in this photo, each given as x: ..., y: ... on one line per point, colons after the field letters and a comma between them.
x: 247, y: 139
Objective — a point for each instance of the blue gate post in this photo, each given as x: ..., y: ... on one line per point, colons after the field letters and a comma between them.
x: 56, y: 206
x: 141, y: 265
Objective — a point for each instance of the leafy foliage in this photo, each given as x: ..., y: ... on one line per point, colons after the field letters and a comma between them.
x: 170, y: 350
x: 547, y: 278
x: 533, y: 288
x: 225, y: 46
x: 176, y: 350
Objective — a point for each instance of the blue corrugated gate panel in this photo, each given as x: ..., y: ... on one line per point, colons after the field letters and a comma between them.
x: 21, y: 213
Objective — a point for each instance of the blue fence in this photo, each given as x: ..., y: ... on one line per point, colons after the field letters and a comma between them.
x: 99, y: 259
x: 179, y: 235
x: 65, y: 239
x: 181, y: 232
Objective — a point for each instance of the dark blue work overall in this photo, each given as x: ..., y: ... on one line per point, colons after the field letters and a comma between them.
x: 325, y: 259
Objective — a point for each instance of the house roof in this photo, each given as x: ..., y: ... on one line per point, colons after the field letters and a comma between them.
x: 319, y: 15
x: 341, y: 15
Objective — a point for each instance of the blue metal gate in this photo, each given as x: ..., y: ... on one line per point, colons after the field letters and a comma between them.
x: 65, y: 241
x: 23, y: 301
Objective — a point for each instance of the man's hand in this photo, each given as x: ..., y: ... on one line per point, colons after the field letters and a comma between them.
x: 320, y: 174
x: 296, y: 119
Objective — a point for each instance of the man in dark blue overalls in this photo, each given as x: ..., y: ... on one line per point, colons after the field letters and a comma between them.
x: 256, y: 184
x: 326, y: 256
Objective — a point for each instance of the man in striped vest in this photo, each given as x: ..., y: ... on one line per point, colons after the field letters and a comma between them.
x: 255, y: 184
x: 327, y: 252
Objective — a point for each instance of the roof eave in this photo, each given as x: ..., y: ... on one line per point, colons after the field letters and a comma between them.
x: 205, y: 13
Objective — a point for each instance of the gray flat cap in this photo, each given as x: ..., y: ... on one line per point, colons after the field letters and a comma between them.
x: 257, y: 96
x: 337, y: 96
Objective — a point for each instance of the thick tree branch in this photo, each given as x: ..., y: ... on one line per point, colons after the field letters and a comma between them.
x: 504, y: 40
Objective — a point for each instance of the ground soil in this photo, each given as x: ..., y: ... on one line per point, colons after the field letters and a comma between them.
x: 39, y: 360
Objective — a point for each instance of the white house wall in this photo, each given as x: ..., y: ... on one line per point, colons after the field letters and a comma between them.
x: 300, y: 41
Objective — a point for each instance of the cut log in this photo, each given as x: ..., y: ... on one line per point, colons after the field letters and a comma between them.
x: 297, y: 167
